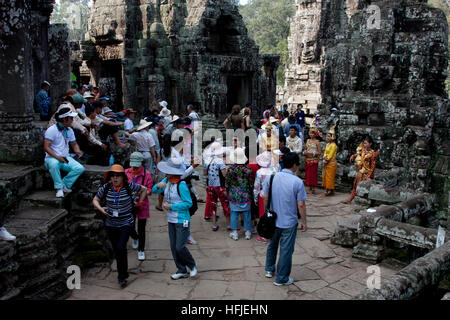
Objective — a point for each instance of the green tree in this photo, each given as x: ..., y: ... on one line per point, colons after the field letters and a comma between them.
x: 75, y: 14
x: 268, y: 23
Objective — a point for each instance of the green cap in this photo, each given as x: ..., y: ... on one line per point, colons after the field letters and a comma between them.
x: 136, y: 159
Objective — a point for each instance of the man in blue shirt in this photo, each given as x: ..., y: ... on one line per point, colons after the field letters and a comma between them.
x: 43, y: 102
x: 288, y: 199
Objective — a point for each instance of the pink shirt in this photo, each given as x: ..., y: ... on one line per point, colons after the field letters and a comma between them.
x: 144, y: 213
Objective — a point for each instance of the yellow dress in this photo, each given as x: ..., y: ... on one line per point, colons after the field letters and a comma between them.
x: 329, y: 169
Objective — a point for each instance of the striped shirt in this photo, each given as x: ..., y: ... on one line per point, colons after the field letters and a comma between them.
x: 120, y: 202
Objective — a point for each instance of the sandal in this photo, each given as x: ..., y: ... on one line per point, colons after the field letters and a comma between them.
x: 158, y: 208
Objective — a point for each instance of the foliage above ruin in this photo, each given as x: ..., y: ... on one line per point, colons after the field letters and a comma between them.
x: 75, y: 14
x: 268, y: 23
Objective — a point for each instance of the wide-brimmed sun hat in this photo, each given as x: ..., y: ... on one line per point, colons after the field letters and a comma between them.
x: 136, y: 159
x: 265, y: 159
x: 115, y: 168
x: 164, y: 112
x: 237, y: 156
x: 175, y: 118
x: 163, y: 104
x: 172, y: 166
x: 143, y: 124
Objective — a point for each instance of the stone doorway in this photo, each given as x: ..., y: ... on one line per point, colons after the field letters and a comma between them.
x: 110, y: 83
x: 239, y: 90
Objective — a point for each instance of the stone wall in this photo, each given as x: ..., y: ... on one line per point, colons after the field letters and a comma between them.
x: 412, y: 281
x: 52, y: 233
x: 388, y: 82
x: 183, y: 52
x: 59, y: 61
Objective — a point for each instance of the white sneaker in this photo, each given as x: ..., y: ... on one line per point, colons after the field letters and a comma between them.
x: 5, y: 235
x: 269, y: 274
x: 248, y: 235
x: 234, y: 235
x: 60, y: 193
x: 191, y: 240
x: 141, y: 255
x: 66, y: 190
x: 193, y: 272
x: 177, y: 276
x: 135, y: 244
x: 290, y: 281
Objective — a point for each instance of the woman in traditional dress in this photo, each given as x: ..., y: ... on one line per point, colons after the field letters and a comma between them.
x: 312, y: 154
x: 329, y: 164
x: 365, y: 160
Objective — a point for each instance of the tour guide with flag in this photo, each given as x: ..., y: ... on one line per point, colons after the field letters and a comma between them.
x: 56, y: 146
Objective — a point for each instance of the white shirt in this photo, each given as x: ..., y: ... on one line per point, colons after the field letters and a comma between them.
x: 59, y: 142
x: 128, y: 125
x: 144, y: 140
x: 194, y: 116
x: 215, y: 164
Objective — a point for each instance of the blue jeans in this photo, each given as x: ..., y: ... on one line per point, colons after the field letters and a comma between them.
x: 285, y: 238
x: 178, y: 236
x: 74, y: 168
x: 234, y: 219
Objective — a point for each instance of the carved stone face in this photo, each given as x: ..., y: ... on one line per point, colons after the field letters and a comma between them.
x: 308, y: 50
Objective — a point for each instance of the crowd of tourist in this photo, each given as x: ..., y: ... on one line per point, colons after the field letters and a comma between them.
x: 84, y: 127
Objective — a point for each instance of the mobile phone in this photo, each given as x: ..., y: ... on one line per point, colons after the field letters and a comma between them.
x: 65, y: 160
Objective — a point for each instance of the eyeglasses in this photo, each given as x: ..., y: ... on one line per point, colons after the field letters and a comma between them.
x: 116, y: 174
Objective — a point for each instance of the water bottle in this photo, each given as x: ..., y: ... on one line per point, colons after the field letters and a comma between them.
x: 111, y: 160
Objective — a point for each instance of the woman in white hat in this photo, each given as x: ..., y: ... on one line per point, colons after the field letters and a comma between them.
x: 239, y: 182
x: 177, y: 201
x: 215, y: 170
x: 266, y: 161
x: 145, y: 143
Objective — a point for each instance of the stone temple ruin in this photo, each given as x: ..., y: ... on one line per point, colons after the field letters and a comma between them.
x: 198, y: 52
x: 388, y: 82
x: 302, y: 84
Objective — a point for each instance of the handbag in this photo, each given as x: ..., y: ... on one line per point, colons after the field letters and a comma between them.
x: 266, y: 225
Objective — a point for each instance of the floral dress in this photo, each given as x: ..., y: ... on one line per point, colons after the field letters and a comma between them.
x: 239, y: 183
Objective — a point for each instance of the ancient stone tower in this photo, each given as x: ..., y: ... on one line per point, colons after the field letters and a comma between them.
x: 183, y: 51
x: 383, y: 64
x: 302, y: 84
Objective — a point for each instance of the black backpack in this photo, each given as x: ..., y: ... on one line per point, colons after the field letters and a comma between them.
x: 194, y: 206
x: 266, y: 225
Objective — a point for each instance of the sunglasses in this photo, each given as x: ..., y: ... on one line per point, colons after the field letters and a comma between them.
x: 116, y: 175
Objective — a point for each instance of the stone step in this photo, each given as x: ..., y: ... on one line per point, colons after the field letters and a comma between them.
x: 34, y: 222
x: 44, y: 198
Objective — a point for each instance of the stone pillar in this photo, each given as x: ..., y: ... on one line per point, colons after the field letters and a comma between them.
x: 59, y: 61
x: 40, y: 20
x: 18, y: 142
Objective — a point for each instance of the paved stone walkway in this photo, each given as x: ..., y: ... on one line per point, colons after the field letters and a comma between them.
x: 231, y: 269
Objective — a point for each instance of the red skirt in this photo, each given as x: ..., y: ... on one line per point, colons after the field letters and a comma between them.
x: 311, y: 169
